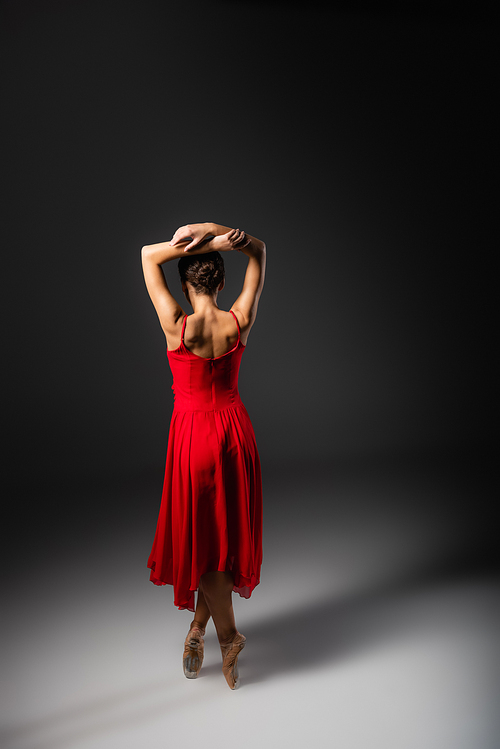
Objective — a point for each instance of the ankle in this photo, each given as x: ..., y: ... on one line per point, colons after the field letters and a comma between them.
x: 199, y: 625
x: 227, y: 637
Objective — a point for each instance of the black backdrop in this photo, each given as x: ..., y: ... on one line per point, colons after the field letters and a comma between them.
x: 357, y: 143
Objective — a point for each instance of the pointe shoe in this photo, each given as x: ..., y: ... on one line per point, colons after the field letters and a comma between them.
x: 230, y: 653
x: 192, y: 657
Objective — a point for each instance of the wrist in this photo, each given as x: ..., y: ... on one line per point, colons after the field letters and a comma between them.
x: 211, y: 245
x: 218, y: 229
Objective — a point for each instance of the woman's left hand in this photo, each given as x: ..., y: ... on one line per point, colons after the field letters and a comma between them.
x: 233, y: 240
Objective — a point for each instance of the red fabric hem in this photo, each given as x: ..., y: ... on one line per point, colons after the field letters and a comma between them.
x: 244, y: 585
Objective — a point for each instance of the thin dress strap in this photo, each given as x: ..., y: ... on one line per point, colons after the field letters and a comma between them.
x: 237, y: 323
x: 183, y: 326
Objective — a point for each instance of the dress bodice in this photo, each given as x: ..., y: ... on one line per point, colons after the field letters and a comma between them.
x: 205, y: 384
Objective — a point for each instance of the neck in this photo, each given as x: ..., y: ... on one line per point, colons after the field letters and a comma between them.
x: 203, y: 302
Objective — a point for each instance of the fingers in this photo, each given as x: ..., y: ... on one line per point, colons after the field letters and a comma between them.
x: 244, y: 243
x: 234, y: 237
x: 177, y: 239
x: 237, y: 237
x: 181, y: 234
x: 241, y: 239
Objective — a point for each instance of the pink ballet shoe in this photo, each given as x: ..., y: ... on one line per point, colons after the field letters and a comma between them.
x: 194, y: 647
x: 230, y: 653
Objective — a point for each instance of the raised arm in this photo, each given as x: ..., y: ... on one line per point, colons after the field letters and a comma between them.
x: 246, y: 304
x: 196, y: 239
x: 248, y: 301
x: 153, y: 256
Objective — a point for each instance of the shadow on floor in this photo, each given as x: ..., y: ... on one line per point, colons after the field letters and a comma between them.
x: 337, y: 628
x: 308, y: 639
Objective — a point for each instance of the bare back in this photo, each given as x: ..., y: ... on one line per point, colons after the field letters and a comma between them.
x: 210, y: 334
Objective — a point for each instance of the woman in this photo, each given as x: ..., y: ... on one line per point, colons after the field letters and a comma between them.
x: 209, y: 530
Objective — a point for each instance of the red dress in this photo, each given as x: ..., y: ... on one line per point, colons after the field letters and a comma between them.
x: 210, y: 515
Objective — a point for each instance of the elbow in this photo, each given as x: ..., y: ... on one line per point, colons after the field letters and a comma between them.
x: 144, y: 250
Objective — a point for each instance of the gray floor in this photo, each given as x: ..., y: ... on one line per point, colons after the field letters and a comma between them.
x: 366, y: 631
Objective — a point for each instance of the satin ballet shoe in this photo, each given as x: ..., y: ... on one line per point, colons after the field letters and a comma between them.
x: 230, y: 653
x: 192, y: 657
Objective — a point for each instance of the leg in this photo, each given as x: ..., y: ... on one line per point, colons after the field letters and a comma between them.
x: 202, y: 613
x: 217, y: 589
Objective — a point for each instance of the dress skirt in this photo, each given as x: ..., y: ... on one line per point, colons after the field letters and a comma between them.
x: 210, y: 514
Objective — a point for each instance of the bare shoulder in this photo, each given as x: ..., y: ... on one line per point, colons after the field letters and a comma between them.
x: 244, y: 323
x: 172, y: 329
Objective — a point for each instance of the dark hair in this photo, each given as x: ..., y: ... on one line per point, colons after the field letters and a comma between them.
x: 205, y: 272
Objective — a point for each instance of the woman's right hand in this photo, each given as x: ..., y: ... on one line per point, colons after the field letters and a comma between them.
x: 195, y: 232
x: 233, y: 240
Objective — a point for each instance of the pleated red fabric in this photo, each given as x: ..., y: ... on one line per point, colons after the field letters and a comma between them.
x: 210, y: 514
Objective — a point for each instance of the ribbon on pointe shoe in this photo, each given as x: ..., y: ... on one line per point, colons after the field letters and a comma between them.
x: 192, y: 657
x: 230, y: 653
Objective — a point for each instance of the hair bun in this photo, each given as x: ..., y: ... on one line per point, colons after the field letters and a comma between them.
x: 204, y: 272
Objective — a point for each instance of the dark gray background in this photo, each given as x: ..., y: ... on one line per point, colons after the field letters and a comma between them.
x: 357, y: 143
